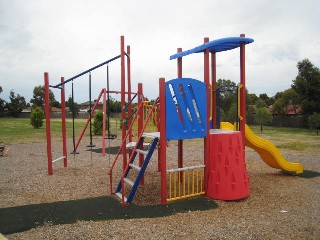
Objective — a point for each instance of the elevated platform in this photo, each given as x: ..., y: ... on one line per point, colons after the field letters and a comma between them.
x: 221, y: 131
x: 151, y: 135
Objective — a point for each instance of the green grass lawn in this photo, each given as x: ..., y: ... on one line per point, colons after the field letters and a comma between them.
x: 291, y: 140
x: 288, y: 140
x: 19, y: 130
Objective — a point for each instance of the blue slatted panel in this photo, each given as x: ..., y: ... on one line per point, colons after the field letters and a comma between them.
x: 185, y: 109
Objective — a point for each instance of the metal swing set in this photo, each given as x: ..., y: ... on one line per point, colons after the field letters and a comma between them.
x: 127, y: 97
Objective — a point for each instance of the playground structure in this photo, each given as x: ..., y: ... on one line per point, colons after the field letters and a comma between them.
x: 185, y: 109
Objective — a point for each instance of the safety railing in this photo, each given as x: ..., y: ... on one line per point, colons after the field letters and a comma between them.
x: 123, y: 144
x: 185, y: 182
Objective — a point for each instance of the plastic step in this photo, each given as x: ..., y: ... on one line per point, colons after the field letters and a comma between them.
x: 119, y: 195
x: 127, y: 180
x: 135, y: 166
x: 141, y: 151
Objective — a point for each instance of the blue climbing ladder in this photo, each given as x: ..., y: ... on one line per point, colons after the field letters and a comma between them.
x: 132, y: 166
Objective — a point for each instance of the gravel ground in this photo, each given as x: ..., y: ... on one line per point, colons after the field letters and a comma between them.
x: 279, y: 206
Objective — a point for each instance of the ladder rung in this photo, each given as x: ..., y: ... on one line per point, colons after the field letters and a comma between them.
x: 119, y: 195
x: 141, y: 151
x: 135, y: 166
x: 127, y: 180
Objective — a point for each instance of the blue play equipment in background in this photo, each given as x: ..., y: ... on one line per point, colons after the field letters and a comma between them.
x: 186, y: 111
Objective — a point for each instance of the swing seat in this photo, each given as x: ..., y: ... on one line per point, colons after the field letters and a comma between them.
x: 111, y: 136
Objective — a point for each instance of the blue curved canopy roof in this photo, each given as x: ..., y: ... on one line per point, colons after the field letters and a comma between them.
x: 219, y: 45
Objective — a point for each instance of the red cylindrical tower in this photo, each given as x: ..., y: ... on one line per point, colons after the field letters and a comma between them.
x: 227, y: 173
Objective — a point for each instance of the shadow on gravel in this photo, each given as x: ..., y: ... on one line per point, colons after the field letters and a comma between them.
x: 305, y: 174
x: 23, y: 218
x: 109, y: 150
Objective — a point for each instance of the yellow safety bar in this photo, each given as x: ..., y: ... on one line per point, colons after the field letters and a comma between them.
x: 185, y: 182
x: 239, y: 103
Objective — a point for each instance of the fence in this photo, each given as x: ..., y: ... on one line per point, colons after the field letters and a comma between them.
x: 294, y: 121
x: 290, y: 121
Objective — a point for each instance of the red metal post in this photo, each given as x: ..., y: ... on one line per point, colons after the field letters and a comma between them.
x: 123, y: 101
x: 213, y: 89
x: 48, y: 127
x: 129, y: 90
x: 242, y: 89
x: 180, y: 142
x: 63, y: 124
x: 140, y: 123
x: 104, y: 122
x: 163, y: 142
x: 207, y: 82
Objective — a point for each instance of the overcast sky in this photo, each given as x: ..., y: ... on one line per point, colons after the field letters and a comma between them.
x: 67, y: 37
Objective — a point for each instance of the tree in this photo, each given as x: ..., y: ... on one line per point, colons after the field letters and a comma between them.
x: 285, y: 99
x: 232, y: 115
x: 115, y: 105
x: 38, y: 98
x: 251, y: 98
x: 278, y: 95
x: 314, y: 121
x: 307, y: 85
x: 17, y: 104
x: 262, y: 117
x: 72, y: 105
x: 250, y: 114
x: 228, y: 94
x: 291, y: 98
x: 2, y: 102
x: 260, y: 103
x: 279, y: 106
x: 268, y: 100
x: 37, y: 116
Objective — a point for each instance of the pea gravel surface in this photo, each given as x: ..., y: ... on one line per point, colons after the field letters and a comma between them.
x: 280, y: 206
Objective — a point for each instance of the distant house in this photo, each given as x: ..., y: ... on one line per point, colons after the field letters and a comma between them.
x: 292, y: 117
x: 55, y: 110
x: 293, y: 110
x: 290, y: 110
x: 85, y: 106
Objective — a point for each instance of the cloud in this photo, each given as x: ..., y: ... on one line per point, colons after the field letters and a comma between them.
x: 68, y: 37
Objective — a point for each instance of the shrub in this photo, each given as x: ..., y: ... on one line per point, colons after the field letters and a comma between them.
x: 314, y: 121
x: 262, y: 117
x: 37, y: 116
x: 98, y: 123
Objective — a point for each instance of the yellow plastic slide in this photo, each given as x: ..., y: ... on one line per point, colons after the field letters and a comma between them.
x: 267, y: 150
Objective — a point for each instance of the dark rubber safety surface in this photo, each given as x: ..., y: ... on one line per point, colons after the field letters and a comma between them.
x: 23, y: 218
